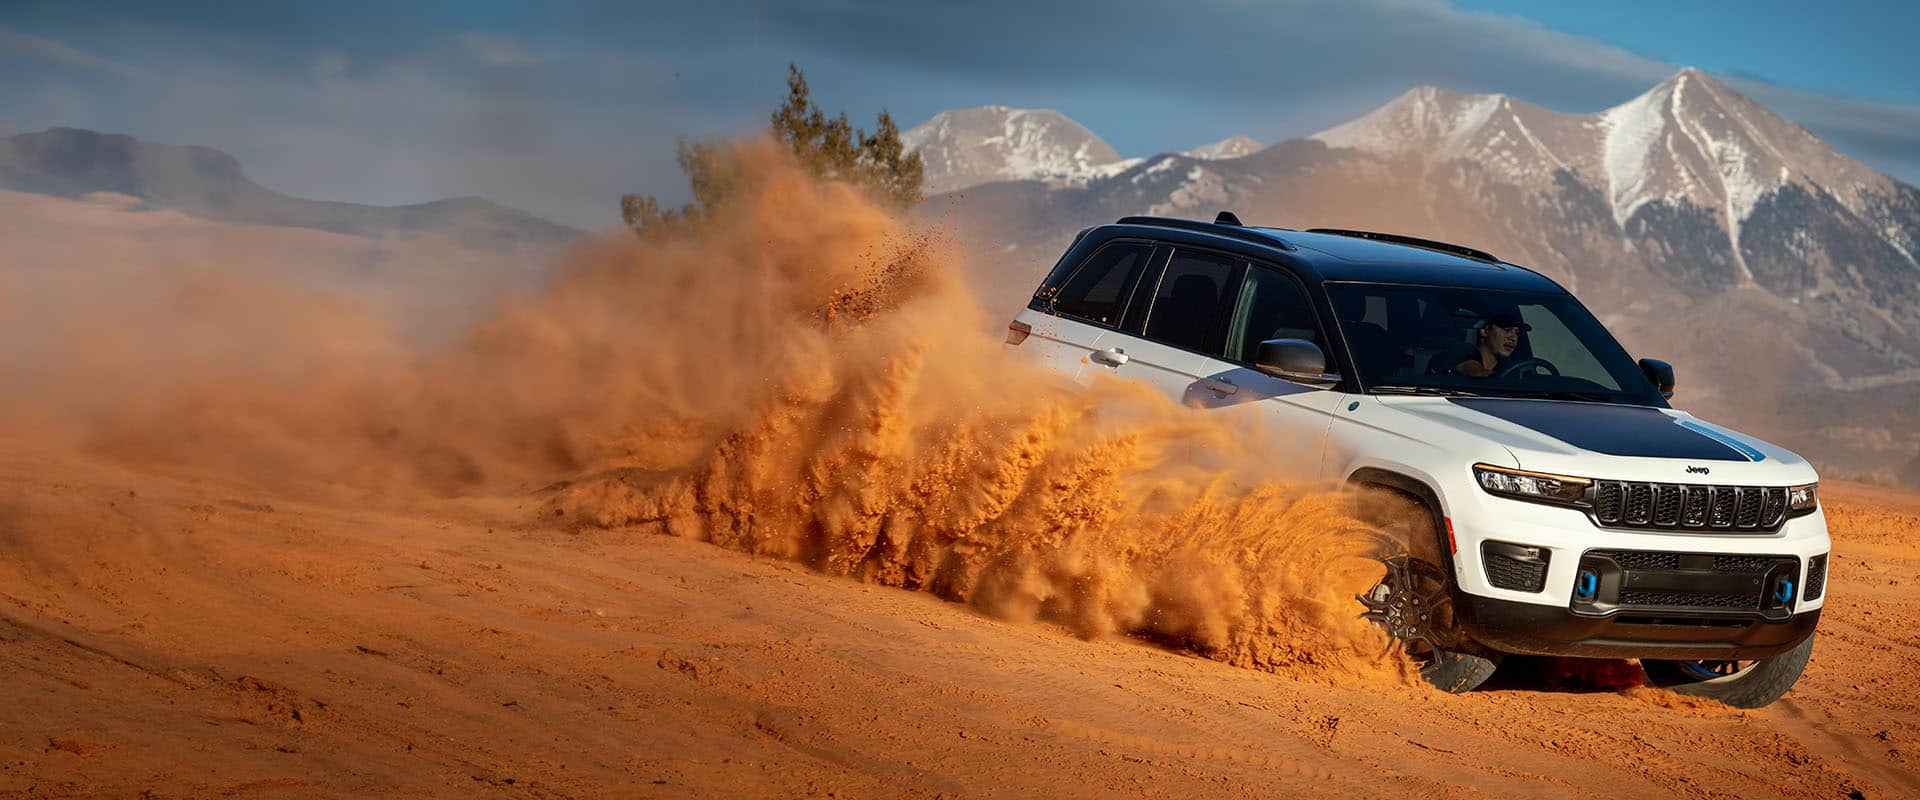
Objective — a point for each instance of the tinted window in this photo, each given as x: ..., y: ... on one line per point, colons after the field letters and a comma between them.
x: 1099, y: 289
x: 1191, y: 306
x: 1415, y: 338
x: 1271, y: 306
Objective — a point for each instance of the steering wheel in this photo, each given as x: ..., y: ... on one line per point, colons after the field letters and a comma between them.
x: 1526, y: 366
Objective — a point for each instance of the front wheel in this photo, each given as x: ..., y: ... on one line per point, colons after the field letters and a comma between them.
x: 1741, y: 684
x: 1412, y: 604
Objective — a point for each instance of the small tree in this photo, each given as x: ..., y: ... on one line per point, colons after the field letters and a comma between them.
x: 830, y: 148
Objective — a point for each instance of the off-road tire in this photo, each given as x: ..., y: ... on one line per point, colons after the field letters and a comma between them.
x: 1411, y: 533
x: 1762, y: 683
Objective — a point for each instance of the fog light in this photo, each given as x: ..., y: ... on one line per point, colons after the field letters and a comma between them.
x: 1515, y: 567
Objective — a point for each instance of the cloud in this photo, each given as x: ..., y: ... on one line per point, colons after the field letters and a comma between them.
x: 30, y: 46
x: 561, y: 111
x: 494, y: 50
x: 1885, y: 136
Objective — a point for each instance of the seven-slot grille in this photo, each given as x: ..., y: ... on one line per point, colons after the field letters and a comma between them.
x: 1744, y: 509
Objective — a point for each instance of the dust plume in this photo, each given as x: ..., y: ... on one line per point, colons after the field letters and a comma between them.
x: 801, y: 376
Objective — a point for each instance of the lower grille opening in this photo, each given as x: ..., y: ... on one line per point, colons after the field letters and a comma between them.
x: 1690, y: 600
x: 1660, y: 585
x: 1683, y: 622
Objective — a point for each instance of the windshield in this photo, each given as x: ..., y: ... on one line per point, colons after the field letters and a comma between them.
x: 1451, y: 340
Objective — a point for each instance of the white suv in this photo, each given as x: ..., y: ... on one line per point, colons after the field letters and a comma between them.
x: 1574, y: 513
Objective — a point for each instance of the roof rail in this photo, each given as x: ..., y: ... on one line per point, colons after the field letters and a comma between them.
x: 1413, y: 241
x: 1231, y: 231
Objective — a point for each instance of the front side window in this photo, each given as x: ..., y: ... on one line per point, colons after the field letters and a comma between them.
x: 1271, y: 306
x: 1451, y: 340
x: 1098, y: 290
x: 1191, y: 305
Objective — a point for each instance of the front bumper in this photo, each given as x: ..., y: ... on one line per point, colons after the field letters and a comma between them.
x: 1569, y: 536
x: 1529, y: 629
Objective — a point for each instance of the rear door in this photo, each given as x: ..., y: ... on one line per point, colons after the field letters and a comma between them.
x: 1082, y: 304
x: 1180, y: 316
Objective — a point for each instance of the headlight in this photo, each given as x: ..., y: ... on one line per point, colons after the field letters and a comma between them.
x: 1803, y: 499
x: 1541, y: 486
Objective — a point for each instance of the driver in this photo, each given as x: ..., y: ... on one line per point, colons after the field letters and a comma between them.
x: 1494, y: 338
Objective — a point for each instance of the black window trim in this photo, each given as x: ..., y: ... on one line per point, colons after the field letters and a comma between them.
x: 1154, y: 251
x: 1242, y: 264
x: 1235, y: 274
x: 1319, y: 325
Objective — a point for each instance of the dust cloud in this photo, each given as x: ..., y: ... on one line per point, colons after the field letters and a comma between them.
x: 802, y: 378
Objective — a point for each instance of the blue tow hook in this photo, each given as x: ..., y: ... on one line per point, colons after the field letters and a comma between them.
x: 1588, y: 585
x: 1784, y: 593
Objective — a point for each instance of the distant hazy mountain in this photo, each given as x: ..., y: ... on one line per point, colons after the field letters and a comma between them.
x: 1778, y: 272
x: 204, y: 182
x: 968, y: 147
x: 1230, y: 147
x: 971, y: 146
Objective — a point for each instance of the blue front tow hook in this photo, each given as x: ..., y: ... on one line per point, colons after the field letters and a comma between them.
x: 1784, y: 594
x: 1589, y: 585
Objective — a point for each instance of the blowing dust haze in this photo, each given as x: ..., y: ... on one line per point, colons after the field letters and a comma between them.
x: 806, y: 381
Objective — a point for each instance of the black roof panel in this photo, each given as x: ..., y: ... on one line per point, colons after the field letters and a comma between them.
x: 1335, y: 257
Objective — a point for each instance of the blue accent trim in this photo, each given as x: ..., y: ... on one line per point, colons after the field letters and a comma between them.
x: 1699, y: 669
x: 1738, y: 446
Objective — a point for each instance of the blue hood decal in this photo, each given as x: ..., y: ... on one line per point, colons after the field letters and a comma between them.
x: 1615, y: 430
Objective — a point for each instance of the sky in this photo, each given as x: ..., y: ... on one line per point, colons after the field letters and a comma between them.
x: 560, y: 107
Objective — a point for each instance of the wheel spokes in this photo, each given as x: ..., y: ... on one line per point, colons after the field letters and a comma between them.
x: 1405, y: 608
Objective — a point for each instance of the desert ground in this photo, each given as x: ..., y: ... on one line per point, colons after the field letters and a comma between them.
x: 185, y: 635
x: 753, y: 511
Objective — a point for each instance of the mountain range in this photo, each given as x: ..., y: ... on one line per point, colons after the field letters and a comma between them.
x: 1777, y: 272
x: 969, y: 147
x: 207, y: 183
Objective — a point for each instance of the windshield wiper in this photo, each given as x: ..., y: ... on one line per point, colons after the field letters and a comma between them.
x: 1435, y: 391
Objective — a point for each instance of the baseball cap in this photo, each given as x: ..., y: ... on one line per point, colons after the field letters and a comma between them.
x: 1508, y: 319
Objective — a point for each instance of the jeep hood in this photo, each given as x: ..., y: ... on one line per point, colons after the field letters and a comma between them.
x: 1605, y: 440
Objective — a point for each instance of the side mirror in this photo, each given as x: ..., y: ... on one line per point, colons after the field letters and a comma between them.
x: 1659, y: 373
x: 1296, y: 360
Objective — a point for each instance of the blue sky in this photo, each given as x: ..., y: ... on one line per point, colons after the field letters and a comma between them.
x: 559, y: 107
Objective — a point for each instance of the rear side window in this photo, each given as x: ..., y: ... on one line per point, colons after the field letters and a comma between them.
x: 1191, y: 306
x: 1099, y: 289
x: 1272, y: 306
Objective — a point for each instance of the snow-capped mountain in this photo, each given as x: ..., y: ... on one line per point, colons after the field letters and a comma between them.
x: 971, y: 146
x: 968, y: 147
x: 1689, y: 142
x: 1775, y: 270
x: 1230, y: 147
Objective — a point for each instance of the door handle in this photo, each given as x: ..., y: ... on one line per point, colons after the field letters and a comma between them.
x: 1220, y: 386
x: 1112, y: 356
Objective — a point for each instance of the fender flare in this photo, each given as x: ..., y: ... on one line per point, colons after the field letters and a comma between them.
x: 1416, y: 490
